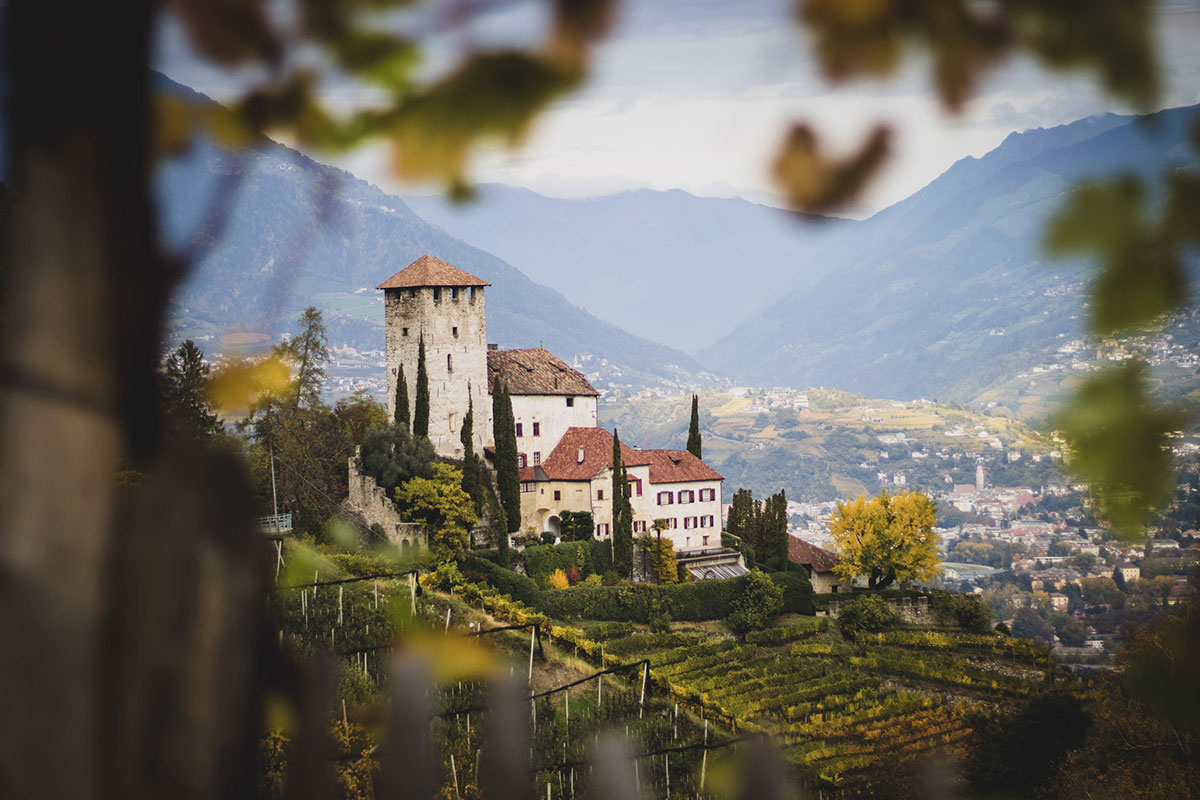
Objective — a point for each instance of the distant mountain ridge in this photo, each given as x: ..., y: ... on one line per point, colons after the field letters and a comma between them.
x: 272, y: 230
x: 679, y: 269
x: 947, y: 292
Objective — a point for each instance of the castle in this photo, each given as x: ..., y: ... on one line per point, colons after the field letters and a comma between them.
x: 565, y: 460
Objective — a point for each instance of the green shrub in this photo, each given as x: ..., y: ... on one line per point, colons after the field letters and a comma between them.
x: 966, y: 611
x: 797, y: 592
x: 513, y: 584
x: 690, y: 602
x: 660, y: 620
x: 757, y: 601
x: 866, y: 613
x: 601, y: 631
x: 543, y: 559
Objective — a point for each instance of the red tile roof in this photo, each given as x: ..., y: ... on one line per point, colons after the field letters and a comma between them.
x: 678, y: 466
x: 536, y: 371
x: 563, y: 463
x: 805, y: 554
x: 666, y: 466
x: 430, y: 271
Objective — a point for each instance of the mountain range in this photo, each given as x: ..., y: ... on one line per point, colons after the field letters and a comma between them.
x: 270, y: 230
x: 659, y: 264
x: 948, y: 291
x: 942, y: 295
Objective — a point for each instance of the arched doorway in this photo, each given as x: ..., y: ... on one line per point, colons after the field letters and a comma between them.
x: 553, y: 524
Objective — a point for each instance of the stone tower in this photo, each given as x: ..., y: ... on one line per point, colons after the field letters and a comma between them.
x: 443, y: 304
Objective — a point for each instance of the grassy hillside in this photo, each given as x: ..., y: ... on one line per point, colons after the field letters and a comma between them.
x: 837, y: 444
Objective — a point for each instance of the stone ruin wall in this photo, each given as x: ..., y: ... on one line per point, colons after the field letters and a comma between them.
x: 369, y: 500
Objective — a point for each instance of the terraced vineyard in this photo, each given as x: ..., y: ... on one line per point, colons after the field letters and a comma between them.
x: 849, y: 713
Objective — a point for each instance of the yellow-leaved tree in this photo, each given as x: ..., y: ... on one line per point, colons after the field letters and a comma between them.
x: 888, y: 538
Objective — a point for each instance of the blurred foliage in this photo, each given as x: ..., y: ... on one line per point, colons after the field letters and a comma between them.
x: 1139, y: 249
x: 490, y: 95
x: 1139, y: 231
x: 1118, y: 438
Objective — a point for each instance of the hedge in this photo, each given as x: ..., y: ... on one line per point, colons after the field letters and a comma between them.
x: 797, y: 592
x: 685, y: 602
x: 591, y: 557
x: 513, y: 584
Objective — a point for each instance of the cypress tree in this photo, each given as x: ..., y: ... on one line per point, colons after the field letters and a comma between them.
x: 402, y: 410
x: 421, y: 410
x: 470, y: 482
x: 693, y: 442
x: 508, y: 479
x: 622, y: 515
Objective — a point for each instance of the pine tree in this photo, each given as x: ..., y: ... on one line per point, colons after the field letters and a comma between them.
x: 421, y: 409
x: 693, y: 442
x: 504, y: 432
x: 622, y: 515
x: 772, y: 532
x: 309, y: 351
x: 402, y: 410
x: 471, y: 483
x: 184, y: 401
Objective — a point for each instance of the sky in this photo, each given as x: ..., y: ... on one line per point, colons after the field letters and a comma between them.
x: 697, y: 95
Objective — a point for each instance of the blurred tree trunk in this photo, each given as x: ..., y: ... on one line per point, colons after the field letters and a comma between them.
x: 128, y: 617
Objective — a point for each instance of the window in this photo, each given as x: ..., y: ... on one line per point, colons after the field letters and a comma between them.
x: 687, y: 522
x: 537, y: 429
x: 635, y: 487
x: 674, y: 523
x: 437, y: 293
x: 570, y: 402
x: 708, y: 494
x: 687, y: 496
x: 449, y: 363
x: 599, y: 494
x: 521, y: 460
x: 526, y: 486
x: 602, y: 529
x: 705, y: 543
x: 454, y: 293
x: 665, y: 498
x: 454, y: 331
x: 557, y: 494
x: 404, y: 331
x: 520, y: 429
x: 537, y: 458
x: 472, y: 295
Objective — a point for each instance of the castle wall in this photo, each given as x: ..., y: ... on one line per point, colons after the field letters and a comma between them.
x: 455, y: 334
x: 370, y: 501
x: 553, y: 416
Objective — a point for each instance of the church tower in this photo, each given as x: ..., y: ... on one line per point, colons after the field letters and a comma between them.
x: 432, y: 300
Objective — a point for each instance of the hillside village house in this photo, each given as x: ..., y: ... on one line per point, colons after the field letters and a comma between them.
x: 565, y: 460
x: 819, y: 562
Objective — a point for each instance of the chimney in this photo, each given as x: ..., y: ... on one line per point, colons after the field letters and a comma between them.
x: 579, y: 456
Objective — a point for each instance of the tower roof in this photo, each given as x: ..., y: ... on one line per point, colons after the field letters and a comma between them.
x: 536, y: 371
x: 430, y: 271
